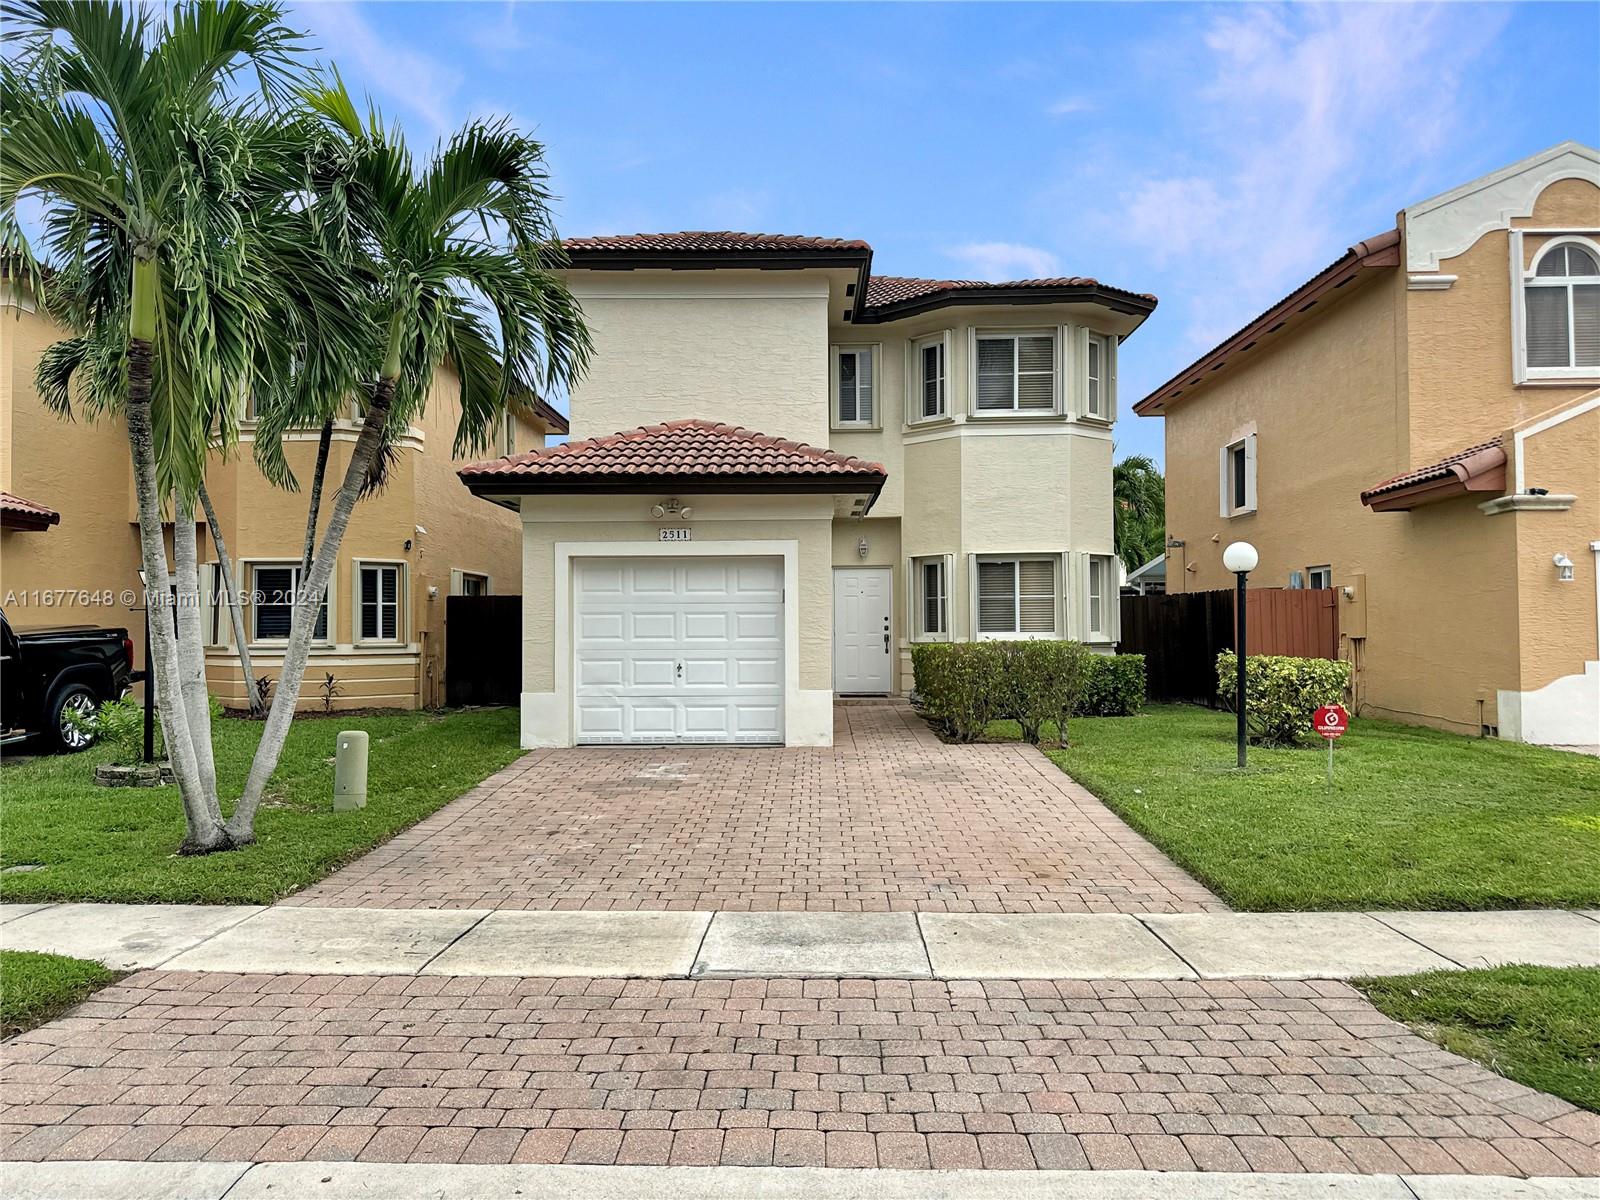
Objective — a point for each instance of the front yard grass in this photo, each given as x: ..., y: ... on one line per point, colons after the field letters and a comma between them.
x: 1537, y: 1025
x: 1416, y: 819
x: 36, y: 987
x: 119, y: 844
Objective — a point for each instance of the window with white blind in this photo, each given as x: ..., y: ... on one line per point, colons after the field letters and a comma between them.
x: 1561, y: 327
x: 854, y: 386
x: 1016, y: 597
x: 1102, y: 595
x: 931, y: 379
x: 1099, y: 380
x: 1016, y: 373
x: 378, y: 603
x: 273, y: 588
x: 932, y: 592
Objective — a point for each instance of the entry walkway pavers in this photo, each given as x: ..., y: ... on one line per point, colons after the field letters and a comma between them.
x: 367, y: 1181
x: 887, y: 819
x: 310, y: 941
x: 1178, y: 1075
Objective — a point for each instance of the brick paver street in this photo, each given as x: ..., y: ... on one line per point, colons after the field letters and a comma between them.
x: 1234, y: 1076
x: 889, y: 818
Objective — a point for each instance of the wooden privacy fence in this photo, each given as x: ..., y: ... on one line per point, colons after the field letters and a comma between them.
x: 1182, y: 633
x: 482, y: 650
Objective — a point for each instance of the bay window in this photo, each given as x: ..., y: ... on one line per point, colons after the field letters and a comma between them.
x: 1016, y: 373
x: 1016, y: 597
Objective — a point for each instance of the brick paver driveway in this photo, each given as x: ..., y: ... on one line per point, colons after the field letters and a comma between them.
x: 1229, y: 1076
x: 889, y: 818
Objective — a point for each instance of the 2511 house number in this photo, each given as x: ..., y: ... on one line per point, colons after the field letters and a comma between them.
x: 678, y: 533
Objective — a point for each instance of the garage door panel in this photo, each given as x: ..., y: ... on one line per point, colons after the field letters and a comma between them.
x: 679, y: 651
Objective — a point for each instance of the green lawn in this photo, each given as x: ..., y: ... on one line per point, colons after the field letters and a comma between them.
x: 36, y: 987
x: 1537, y: 1025
x: 1416, y: 818
x: 120, y: 843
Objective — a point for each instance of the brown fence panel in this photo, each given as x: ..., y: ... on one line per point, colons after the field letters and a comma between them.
x: 483, y: 650
x: 1182, y: 633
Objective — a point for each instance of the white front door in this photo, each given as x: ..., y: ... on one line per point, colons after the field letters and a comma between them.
x: 862, y: 639
x: 679, y: 650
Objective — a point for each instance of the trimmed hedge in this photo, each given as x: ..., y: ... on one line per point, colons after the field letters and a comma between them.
x: 963, y: 686
x: 1284, y: 692
x: 1114, y: 686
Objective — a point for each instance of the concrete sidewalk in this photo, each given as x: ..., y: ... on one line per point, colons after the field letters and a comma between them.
x: 369, y: 1181
x: 467, y: 942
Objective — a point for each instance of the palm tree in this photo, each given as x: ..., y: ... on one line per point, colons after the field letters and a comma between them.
x: 163, y: 183
x: 1139, y: 510
x: 451, y: 265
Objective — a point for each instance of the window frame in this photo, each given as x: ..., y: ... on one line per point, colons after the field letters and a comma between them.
x: 1245, y: 446
x: 1106, y: 631
x: 836, y: 354
x: 1016, y: 633
x: 358, y: 569
x: 249, y: 568
x: 1569, y: 284
x: 1016, y: 412
x: 918, y: 596
x: 1325, y: 570
x: 915, y: 381
x: 459, y: 577
x: 1106, y: 408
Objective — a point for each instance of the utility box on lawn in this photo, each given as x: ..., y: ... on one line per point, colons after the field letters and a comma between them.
x: 350, y: 771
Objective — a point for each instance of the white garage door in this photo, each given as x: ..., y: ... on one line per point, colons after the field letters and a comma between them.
x: 679, y: 650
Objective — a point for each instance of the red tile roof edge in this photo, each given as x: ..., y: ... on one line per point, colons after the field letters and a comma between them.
x: 34, y: 516
x: 1464, y: 465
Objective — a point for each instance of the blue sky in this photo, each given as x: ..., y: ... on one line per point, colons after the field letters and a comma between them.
x: 1214, y: 155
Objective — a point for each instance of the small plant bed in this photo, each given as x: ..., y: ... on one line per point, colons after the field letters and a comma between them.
x: 1537, y: 1025
x: 1416, y: 819
x: 119, y: 844
x: 37, y: 987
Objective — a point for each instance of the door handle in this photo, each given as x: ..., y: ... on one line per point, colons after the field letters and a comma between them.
x: 680, y: 670
x: 886, y: 643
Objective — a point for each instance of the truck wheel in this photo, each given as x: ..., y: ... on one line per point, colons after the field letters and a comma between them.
x: 76, y: 699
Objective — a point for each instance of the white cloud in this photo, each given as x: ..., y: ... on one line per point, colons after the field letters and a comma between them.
x: 1071, y: 105
x: 402, y: 77
x: 1005, y: 260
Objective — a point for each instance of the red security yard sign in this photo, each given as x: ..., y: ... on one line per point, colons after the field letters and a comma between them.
x: 1331, y: 721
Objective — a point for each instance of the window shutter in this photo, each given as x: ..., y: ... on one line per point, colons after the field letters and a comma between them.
x: 1547, y: 326
x: 1094, y: 402
x: 1110, y: 385
x: 274, y: 609
x: 864, y: 400
x: 389, y: 577
x: 1037, y: 595
x: 1586, y: 325
x: 457, y: 585
x: 1036, y: 373
x: 847, y: 386
x: 1097, y: 594
x: 997, y: 597
x: 1223, y: 488
x: 1250, y: 472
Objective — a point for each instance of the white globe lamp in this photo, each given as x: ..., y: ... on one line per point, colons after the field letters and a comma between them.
x: 1240, y: 557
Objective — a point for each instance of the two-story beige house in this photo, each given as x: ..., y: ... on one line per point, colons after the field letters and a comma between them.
x: 1418, y: 426
x: 788, y: 470
x: 69, y: 540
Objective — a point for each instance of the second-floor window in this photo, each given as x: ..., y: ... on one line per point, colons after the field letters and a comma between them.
x: 1238, y: 477
x: 931, y: 379
x: 1098, y: 382
x: 1562, y: 310
x: 854, y: 386
x: 1016, y: 373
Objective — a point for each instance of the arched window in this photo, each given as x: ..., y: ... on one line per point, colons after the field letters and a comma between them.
x: 1563, y: 309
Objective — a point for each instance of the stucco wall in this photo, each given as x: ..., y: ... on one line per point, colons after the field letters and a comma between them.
x: 748, y: 347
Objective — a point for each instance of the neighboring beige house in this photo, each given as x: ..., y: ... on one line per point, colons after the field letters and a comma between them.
x: 1418, y: 426
x: 790, y: 470
x: 408, y: 547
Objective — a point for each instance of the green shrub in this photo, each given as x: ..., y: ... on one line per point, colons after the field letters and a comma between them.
x: 1114, y: 686
x: 1284, y: 692
x: 119, y: 724
x: 965, y: 685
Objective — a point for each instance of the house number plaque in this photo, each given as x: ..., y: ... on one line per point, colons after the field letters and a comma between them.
x: 677, y: 533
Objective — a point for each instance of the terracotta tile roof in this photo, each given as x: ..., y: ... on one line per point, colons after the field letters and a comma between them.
x: 893, y: 289
x: 703, y: 241
x: 1463, y: 465
x: 679, y: 450
x: 18, y: 513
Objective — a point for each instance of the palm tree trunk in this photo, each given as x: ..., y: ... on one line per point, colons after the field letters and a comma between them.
x: 201, y: 812
x: 235, y: 611
x: 241, y: 827
x: 191, y: 643
x: 314, y: 508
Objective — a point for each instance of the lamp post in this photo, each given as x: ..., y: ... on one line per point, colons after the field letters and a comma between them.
x: 1240, y: 558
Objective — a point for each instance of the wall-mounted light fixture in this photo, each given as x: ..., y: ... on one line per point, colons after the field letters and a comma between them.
x: 1563, y: 568
x: 861, y: 547
x: 672, y: 508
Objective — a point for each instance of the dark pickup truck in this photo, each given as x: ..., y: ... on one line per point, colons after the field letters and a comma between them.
x: 47, y: 673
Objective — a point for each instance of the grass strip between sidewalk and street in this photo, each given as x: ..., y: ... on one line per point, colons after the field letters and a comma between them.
x: 1537, y: 1025
x: 119, y: 844
x: 37, y: 987
x: 1415, y: 819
